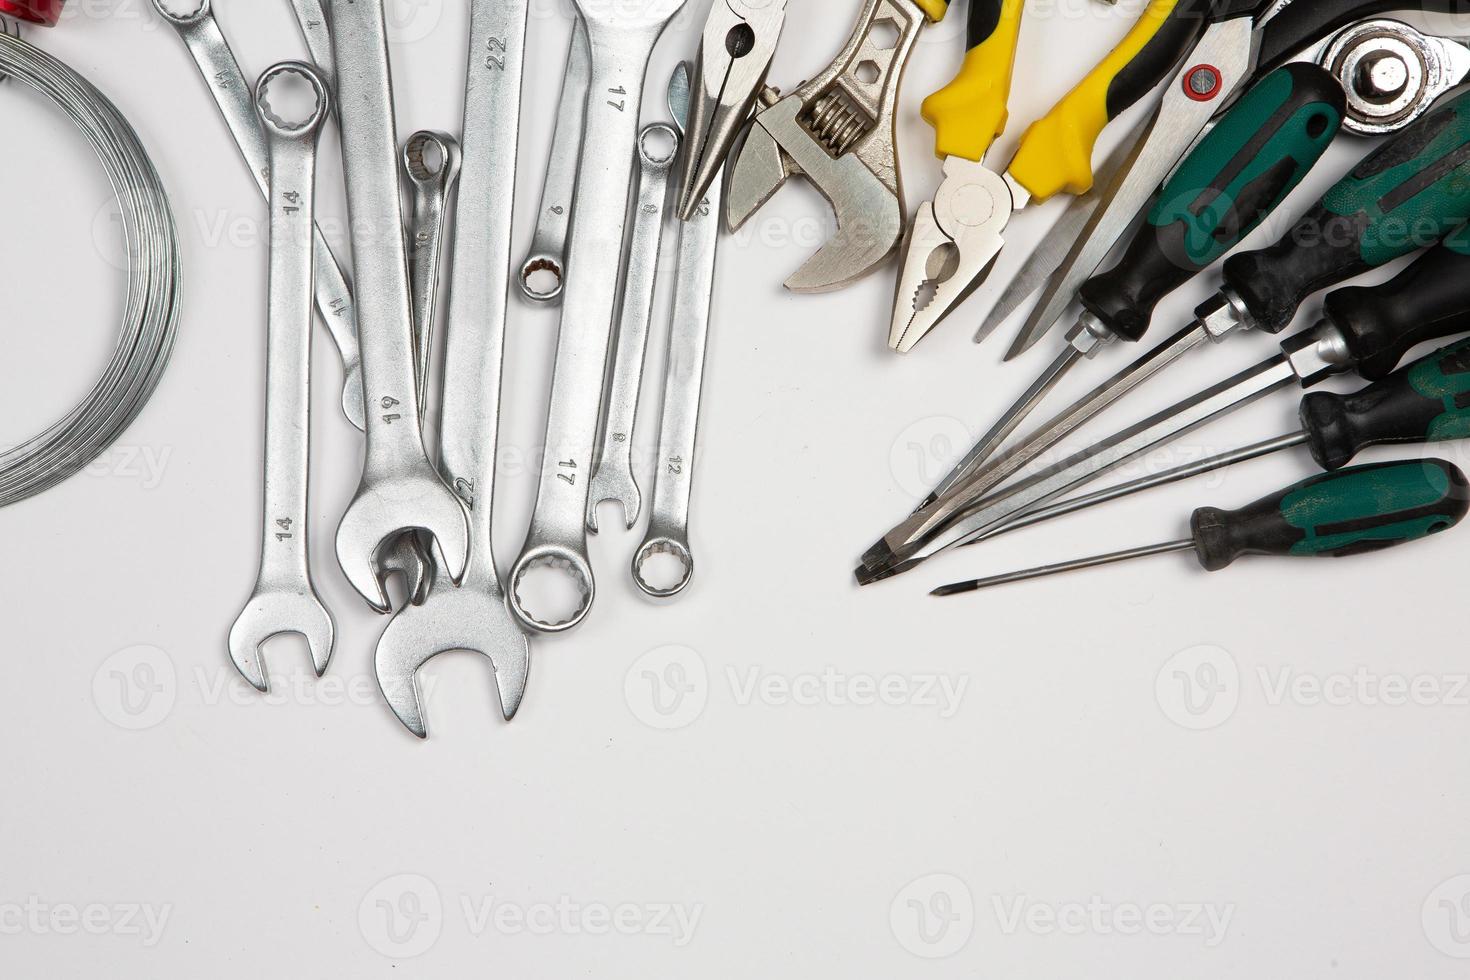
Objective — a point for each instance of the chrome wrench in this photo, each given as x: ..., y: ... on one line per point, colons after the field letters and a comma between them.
x: 284, y: 600
x: 474, y: 616
x: 621, y: 37
x: 206, y: 43
x: 317, y: 33
x: 548, y: 247
x: 400, y: 490
x: 612, y: 477
x: 431, y: 162
x: 694, y: 283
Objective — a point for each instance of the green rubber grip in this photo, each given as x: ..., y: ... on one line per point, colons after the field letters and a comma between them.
x: 1427, y: 401
x: 1406, y: 195
x: 1237, y: 176
x: 1354, y: 511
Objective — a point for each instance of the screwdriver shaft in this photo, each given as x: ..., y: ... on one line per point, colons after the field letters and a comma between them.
x: 1046, y: 571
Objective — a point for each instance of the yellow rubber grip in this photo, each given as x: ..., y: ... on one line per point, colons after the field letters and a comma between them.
x: 1056, y: 152
x: 933, y: 9
x: 971, y: 111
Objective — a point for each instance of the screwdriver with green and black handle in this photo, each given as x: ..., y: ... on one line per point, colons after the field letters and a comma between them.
x: 1411, y: 191
x: 1427, y: 401
x: 1364, y: 329
x: 1231, y: 182
x: 1351, y: 512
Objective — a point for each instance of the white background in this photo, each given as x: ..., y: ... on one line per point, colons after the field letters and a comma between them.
x: 1058, y: 765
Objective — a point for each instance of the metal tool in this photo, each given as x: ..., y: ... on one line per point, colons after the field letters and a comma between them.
x: 623, y: 38
x: 473, y: 616
x: 955, y: 239
x: 735, y: 55
x: 612, y: 470
x: 1366, y: 330
x: 400, y: 490
x: 1399, y: 198
x: 311, y: 16
x: 838, y: 130
x: 149, y: 323
x: 1280, y: 33
x: 284, y: 600
x: 431, y: 163
x: 548, y: 246
x: 1356, y: 511
x: 206, y: 43
x: 1232, y: 181
x: 694, y: 284
x: 1425, y: 402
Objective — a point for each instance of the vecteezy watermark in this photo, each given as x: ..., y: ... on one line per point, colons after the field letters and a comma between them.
x: 135, y: 688
x: 401, y: 917
x: 132, y: 920
x: 1446, y: 917
x: 925, y: 451
x: 410, y: 21
x: 671, y: 686
x: 933, y: 917
x: 404, y: 915
x: 1199, y: 688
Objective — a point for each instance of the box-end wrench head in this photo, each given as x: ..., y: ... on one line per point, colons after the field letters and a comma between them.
x: 284, y: 599
x: 621, y: 39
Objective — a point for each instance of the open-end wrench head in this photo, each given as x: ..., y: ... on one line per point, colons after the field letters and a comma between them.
x: 474, y: 619
x: 271, y: 613
x: 388, y: 506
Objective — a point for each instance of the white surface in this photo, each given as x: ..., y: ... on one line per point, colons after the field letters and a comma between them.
x: 1040, y: 793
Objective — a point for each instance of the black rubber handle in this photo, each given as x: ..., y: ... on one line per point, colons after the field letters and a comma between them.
x: 1350, y: 512
x: 1430, y: 300
x: 1427, y: 401
x: 983, y: 20
x: 1406, y: 195
x: 1237, y: 176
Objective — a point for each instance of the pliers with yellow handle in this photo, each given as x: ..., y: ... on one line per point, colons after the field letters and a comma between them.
x: 955, y: 238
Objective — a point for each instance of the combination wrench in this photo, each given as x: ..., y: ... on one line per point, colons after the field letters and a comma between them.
x: 400, y: 490
x: 694, y: 283
x: 621, y: 37
x: 612, y: 476
x: 549, y: 244
x: 284, y: 600
x: 431, y: 164
x: 206, y: 44
x: 317, y: 33
x: 473, y: 616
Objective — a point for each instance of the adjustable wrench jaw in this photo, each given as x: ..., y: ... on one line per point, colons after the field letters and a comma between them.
x: 838, y: 131
x: 735, y: 55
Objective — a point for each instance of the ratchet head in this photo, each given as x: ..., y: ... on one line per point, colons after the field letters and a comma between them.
x: 387, y: 507
x: 950, y: 248
x: 473, y: 618
x: 273, y: 612
x: 734, y: 56
x: 869, y: 212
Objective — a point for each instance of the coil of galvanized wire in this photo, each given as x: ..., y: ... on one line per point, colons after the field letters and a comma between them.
x: 151, y: 308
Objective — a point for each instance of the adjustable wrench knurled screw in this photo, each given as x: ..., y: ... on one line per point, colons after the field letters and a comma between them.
x: 613, y: 477
x: 284, y: 600
x: 621, y: 38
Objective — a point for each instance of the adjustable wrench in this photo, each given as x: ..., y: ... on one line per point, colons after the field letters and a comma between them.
x: 612, y: 477
x: 400, y: 490
x: 621, y: 38
x: 201, y: 34
x: 474, y: 616
x: 284, y: 600
x: 694, y: 283
x: 548, y: 247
